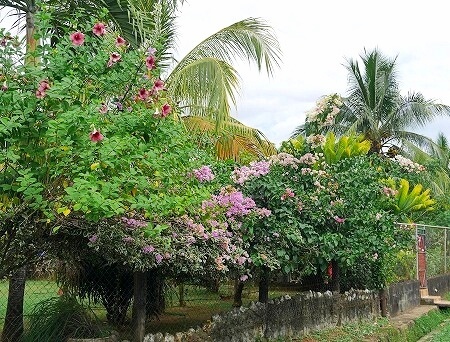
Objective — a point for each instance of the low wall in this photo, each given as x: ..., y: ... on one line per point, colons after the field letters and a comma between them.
x: 403, y: 296
x: 282, y: 317
x: 439, y: 285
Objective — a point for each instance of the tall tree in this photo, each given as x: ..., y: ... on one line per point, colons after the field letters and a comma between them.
x: 436, y: 157
x: 204, y: 82
x: 376, y: 108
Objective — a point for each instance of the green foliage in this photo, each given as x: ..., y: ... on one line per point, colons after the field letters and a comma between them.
x: 406, y: 201
x: 57, y: 319
x: 345, y: 147
x: 92, y: 146
x: 294, y: 145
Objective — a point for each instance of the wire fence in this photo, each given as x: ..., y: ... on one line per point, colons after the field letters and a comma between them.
x: 53, y: 311
x: 102, y: 297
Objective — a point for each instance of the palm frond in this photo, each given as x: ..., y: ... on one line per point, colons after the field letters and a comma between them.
x: 300, y: 130
x: 205, y: 87
x: 232, y: 140
x: 21, y: 5
x: 416, y: 111
x: 249, y: 39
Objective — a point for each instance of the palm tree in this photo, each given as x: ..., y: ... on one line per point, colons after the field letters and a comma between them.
x: 437, y: 159
x: 375, y: 107
x: 204, y: 82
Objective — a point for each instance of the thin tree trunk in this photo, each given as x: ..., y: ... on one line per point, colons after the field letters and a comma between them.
x: 182, y: 302
x: 383, y: 302
x: 139, y: 314
x: 335, y: 277
x: 263, y: 295
x: 30, y: 31
x: 238, y: 288
x: 13, y: 328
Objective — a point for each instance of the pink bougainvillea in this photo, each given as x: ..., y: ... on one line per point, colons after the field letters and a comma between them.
x: 42, y: 88
x: 203, y: 174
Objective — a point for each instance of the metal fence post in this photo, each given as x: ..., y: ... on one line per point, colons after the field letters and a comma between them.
x: 445, y: 250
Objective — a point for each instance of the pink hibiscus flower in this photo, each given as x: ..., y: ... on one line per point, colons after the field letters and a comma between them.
x: 99, y: 29
x: 159, y: 85
x: 95, y: 136
x: 150, y: 62
x: 77, y: 38
x: 165, y: 110
x: 114, y: 58
x: 120, y: 41
x: 143, y: 94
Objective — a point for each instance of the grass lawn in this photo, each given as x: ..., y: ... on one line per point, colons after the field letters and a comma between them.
x: 201, y: 304
x: 35, y: 292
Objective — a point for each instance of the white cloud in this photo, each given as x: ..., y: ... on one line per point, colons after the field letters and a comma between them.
x: 316, y: 37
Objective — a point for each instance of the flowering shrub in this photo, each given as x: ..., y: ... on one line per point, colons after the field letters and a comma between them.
x: 90, y: 141
x: 321, y: 117
x: 408, y: 164
x: 201, y: 245
x: 332, y: 205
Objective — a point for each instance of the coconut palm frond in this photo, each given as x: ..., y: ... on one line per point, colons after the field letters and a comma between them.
x: 249, y: 39
x: 233, y: 138
x: 298, y: 131
x: 21, y: 5
x: 205, y: 87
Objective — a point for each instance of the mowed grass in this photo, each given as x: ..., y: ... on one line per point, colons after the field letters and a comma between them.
x: 201, y: 304
x: 35, y: 292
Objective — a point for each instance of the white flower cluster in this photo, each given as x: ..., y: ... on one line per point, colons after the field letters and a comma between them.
x: 328, y: 105
x: 316, y: 140
x: 408, y: 164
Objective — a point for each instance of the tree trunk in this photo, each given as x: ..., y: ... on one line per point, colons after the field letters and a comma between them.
x: 263, y: 295
x: 214, y: 285
x: 238, y: 288
x: 335, y: 277
x: 383, y: 302
x: 115, y: 286
x: 30, y: 31
x: 182, y: 302
x: 13, y: 328
x: 139, y: 314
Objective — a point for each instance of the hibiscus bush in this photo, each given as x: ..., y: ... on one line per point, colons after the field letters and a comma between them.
x: 92, y: 143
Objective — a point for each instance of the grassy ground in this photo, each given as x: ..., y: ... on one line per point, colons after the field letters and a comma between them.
x: 382, y: 330
x: 201, y: 304
x: 35, y: 292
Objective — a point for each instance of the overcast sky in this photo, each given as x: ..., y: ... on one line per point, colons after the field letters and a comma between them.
x: 315, y: 38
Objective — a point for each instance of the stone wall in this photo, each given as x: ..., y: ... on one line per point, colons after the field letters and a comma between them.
x: 439, y: 285
x: 403, y: 296
x: 282, y: 317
